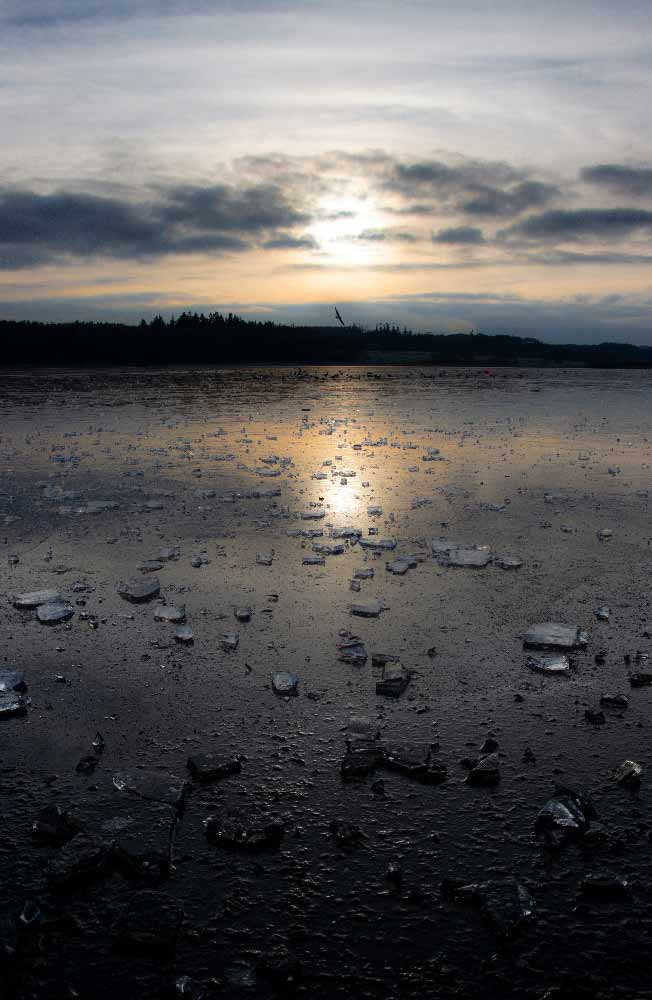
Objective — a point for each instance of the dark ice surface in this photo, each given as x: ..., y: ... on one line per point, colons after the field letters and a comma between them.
x: 200, y: 471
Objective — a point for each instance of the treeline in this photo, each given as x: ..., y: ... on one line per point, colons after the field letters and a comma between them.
x: 193, y: 338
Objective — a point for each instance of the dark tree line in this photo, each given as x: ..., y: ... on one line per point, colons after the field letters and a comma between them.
x: 196, y: 338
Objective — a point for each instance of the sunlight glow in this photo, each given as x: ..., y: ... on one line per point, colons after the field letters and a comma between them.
x: 343, y: 223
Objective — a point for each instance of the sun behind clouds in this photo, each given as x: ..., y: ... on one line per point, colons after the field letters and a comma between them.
x: 345, y: 230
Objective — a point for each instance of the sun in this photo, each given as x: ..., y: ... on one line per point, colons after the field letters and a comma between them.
x: 345, y: 227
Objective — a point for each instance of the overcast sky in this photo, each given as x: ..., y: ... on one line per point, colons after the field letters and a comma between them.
x: 481, y: 165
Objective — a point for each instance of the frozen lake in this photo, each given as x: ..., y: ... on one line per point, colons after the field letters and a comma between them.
x: 257, y: 499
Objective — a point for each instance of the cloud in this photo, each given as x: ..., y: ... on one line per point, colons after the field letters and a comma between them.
x: 512, y: 201
x: 40, y: 228
x: 227, y: 208
x: 579, y: 224
x: 386, y: 235
x: 286, y: 241
x: 468, y: 235
x: 473, y: 187
x: 633, y: 181
x: 46, y: 13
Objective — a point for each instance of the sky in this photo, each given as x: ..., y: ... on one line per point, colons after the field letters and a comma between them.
x: 446, y: 167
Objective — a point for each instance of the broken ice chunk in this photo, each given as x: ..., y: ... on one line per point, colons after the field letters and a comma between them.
x: 378, y: 543
x: 150, y: 566
x: 554, y: 636
x: 628, y: 774
x: 54, y: 612
x: 314, y: 560
x: 229, y: 640
x: 138, y: 591
x: 243, y: 614
x: 208, y: 767
x: 507, y: 562
x: 265, y: 558
x: 170, y: 613
x: 566, y: 815
x: 505, y: 904
x: 485, y: 772
x: 184, y: 634
x: 394, y: 681
x: 12, y: 703
x: 371, y: 609
x: 550, y: 663
x: 243, y: 834
x: 398, y: 567
x: 603, y: 613
x: 35, y: 598
x: 154, y: 785
x: 456, y: 554
x: 12, y: 680
x: 618, y: 701
x: 353, y: 650
x: 285, y: 684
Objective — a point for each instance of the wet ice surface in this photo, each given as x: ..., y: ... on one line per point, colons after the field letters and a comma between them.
x: 253, y: 499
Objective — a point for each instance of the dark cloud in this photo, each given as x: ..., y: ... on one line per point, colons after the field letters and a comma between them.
x: 47, y: 13
x: 445, y: 179
x: 579, y: 224
x: 619, y: 178
x: 512, y: 201
x: 386, y: 236
x: 468, y: 235
x: 473, y: 187
x: 286, y: 241
x: 417, y: 209
x: 38, y: 228
x: 230, y: 209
